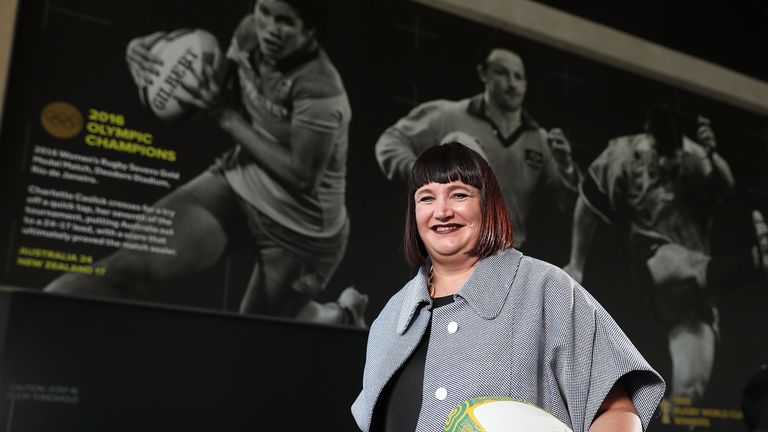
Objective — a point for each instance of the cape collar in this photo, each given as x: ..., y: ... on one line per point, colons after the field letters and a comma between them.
x: 485, y: 291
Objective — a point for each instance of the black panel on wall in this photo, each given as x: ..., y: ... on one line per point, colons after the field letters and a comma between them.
x: 84, y: 365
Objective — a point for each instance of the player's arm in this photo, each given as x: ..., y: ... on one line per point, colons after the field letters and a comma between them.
x: 398, y: 146
x: 617, y: 413
x: 561, y: 175
x: 567, y: 170
x: 298, y: 166
x: 585, y: 223
x: 395, y: 154
x: 594, y: 206
x: 720, y: 178
x: 719, y: 174
x: 715, y: 167
x: 722, y: 170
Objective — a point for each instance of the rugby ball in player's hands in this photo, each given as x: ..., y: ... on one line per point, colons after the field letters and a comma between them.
x: 181, y: 51
x: 501, y: 414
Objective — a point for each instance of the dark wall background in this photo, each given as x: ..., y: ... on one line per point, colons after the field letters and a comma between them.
x: 729, y: 33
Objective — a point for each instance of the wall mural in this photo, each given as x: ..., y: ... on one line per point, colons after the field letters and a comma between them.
x: 163, y: 153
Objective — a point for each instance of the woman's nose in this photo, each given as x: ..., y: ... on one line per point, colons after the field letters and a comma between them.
x: 444, y: 210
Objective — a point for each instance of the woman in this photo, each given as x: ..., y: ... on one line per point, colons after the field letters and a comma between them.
x: 482, y: 320
x: 280, y: 190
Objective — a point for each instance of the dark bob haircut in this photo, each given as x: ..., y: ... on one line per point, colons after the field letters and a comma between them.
x: 451, y: 162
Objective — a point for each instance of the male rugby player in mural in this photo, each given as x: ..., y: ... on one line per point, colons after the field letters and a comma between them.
x: 529, y: 161
x: 667, y: 185
x: 281, y: 189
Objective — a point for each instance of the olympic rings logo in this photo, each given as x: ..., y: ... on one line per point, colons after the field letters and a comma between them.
x: 61, y: 120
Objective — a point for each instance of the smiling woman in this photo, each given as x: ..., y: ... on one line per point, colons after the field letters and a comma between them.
x: 448, y: 220
x: 480, y: 320
x: 450, y: 210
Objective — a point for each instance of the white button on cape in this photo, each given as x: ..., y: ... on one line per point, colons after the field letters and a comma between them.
x: 452, y: 327
x: 441, y: 393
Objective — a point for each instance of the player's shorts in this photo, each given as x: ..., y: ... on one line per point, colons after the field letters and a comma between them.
x: 672, y: 303
x: 313, y: 260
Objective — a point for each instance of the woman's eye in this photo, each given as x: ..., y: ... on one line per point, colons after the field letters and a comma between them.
x: 460, y: 195
x: 425, y: 199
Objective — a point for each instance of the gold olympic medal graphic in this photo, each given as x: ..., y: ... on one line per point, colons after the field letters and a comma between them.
x: 62, y: 120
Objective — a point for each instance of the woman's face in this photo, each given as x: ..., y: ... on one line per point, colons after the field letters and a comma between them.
x: 280, y: 30
x: 448, y: 217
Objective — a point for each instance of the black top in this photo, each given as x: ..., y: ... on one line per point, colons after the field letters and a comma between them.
x: 399, y: 404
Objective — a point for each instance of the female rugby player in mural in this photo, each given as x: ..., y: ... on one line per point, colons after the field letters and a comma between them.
x: 281, y: 189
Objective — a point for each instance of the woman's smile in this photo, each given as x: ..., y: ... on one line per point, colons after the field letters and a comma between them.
x: 448, y: 217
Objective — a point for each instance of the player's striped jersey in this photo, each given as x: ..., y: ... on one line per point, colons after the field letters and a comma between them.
x: 303, y: 91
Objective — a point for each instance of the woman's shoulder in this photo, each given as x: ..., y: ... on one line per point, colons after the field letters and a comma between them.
x: 390, y: 313
x: 552, y: 279
x: 544, y: 268
x: 395, y: 302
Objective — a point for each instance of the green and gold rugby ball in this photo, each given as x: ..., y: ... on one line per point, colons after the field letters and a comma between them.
x: 501, y: 414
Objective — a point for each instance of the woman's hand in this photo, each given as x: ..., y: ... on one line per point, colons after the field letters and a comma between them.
x: 141, y: 62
